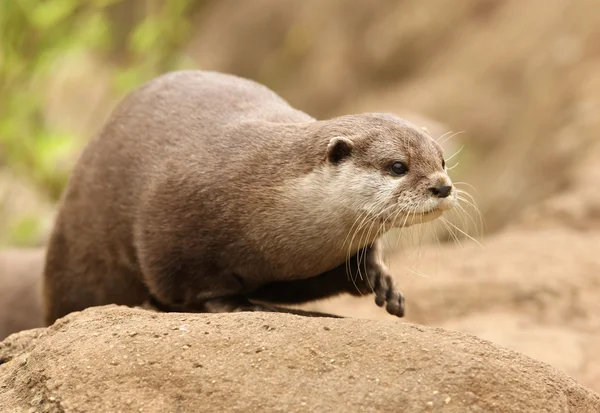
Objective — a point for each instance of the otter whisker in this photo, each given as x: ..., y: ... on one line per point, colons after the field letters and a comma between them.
x: 364, y: 258
x: 459, y: 212
x: 375, y: 220
x: 362, y: 217
x: 463, y: 192
x: 417, y: 273
x: 414, y: 230
x: 348, y: 255
x: 467, y: 184
x: 443, y: 135
x: 420, y: 230
x: 451, y: 136
x: 364, y: 252
x: 358, y: 230
x: 407, y: 209
x: 462, y: 215
x: 437, y: 238
x: 455, y: 153
x: 419, y: 250
x: 463, y: 232
x: 401, y: 233
x: 387, y: 239
x: 405, y: 218
x: 360, y: 256
x: 453, y: 166
x: 451, y: 232
x: 366, y: 217
x: 384, y: 224
x: 448, y: 135
x: 464, y: 212
x: 471, y: 199
x: 471, y: 202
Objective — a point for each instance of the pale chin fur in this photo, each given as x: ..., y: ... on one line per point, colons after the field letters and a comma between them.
x: 421, y: 217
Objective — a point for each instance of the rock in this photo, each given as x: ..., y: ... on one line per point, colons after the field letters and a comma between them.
x: 575, y: 206
x: 90, y: 361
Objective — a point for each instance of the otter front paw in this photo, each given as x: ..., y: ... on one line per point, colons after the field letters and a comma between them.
x: 373, y: 276
x: 386, y: 293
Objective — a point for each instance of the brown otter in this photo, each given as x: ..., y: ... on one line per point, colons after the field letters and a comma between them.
x: 209, y: 192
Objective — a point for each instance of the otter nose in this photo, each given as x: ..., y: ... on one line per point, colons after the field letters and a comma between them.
x: 441, y: 191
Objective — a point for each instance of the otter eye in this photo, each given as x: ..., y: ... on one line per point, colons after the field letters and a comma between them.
x: 399, y: 168
x: 443, y: 164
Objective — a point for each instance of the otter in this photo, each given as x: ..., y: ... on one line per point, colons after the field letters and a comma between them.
x: 208, y: 192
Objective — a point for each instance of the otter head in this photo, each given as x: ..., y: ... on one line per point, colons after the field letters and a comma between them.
x: 395, y: 171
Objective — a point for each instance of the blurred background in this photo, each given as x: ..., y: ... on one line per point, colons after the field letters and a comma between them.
x: 516, y: 84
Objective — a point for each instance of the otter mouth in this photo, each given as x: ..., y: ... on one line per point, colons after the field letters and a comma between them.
x: 438, y: 209
x: 426, y: 212
x: 410, y: 218
x: 413, y: 217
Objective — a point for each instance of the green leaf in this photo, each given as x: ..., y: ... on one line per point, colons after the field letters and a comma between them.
x: 47, y: 14
x: 127, y: 79
x: 52, y: 150
x: 95, y: 32
x: 104, y: 3
x: 23, y: 230
x: 145, y: 36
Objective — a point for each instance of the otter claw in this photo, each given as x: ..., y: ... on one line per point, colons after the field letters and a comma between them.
x: 380, y: 289
x: 395, y: 305
x: 386, y: 293
x: 376, y: 279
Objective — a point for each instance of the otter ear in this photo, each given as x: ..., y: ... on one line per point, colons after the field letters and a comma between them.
x: 424, y: 129
x: 339, y: 148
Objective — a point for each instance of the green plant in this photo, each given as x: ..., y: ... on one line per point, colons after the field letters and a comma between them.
x: 36, y: 34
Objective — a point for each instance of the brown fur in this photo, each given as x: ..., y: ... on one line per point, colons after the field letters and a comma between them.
x: 204, y: 191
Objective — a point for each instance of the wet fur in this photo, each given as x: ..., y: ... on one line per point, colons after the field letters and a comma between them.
x: 206, y: 192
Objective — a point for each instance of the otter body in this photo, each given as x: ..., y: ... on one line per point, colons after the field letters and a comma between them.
x: 204, y: 191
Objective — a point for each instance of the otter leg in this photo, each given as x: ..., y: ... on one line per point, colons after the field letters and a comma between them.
x: 379, y: 280
x: 363, y: 274
x: 186, y: 290
x: 231, y: 305
x: 76, y: 277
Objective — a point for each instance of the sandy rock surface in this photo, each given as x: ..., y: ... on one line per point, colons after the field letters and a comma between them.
x: 112, y: 359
